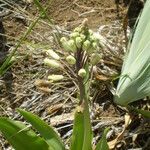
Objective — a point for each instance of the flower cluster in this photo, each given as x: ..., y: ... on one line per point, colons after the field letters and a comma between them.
x: 82, y: 47
x: 81, y: 38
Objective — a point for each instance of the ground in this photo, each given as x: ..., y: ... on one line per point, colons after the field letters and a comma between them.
x: 27, y: 87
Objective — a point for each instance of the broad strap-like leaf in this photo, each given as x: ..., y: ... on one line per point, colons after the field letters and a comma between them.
x: 134, y: 83
x: 102, y: 144
x: 78, y: 130
x: 21, y: 137
x: 46, y: 131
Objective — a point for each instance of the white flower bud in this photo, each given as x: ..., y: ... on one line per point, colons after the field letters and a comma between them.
x: 55, y: 77
x: 95, y: 58
x: 71, y: 60
x: 52, y: 63
x: 52, y: 54
x: 72, y: 45
x: 82, y: 72
x: 78, y: 42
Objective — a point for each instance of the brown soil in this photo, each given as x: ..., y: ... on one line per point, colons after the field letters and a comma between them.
x: 71, y: 13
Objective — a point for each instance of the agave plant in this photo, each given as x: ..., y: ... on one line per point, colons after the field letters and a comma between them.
x: 80, y: 47
x: 134, y: 83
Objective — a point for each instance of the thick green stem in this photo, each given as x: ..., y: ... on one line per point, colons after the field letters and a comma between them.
x: 81, y: 89
x: 87, y: 143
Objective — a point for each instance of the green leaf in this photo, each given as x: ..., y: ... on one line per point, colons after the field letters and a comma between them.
x: 82, y: 132
x: 42, y: 10
x: 44, y: 129
x: 21, y: 137
x: 134, y: 83
x: 87, y: 143
x: 102, y: 144
x: 78, y: 131
x: 144, y: 113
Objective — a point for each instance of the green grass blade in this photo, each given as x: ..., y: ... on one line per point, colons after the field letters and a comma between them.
x: 3, y: 68
x: 42, y: 10
x: 44, y: 129
x: 20, y: 137
x: 78, y: 131
x: 102, y: 144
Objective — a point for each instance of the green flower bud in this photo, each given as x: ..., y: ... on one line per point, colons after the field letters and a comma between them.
x: 95, y: 45
x: 78, y: 29
x: 53, y: 54
x: 72, y: 45
x: 74, y: 34
x: 52, y: 63
x: 86, y: 45
x: 95, y: 58
x: 64, y: 43
x: 63, y: 39
x: 78, y: 42
x: 82, y: 37
x: 94, y: 37
x: 82, y: 72
x: 71, y: 60
x: 55, y: 77
x: 90, y: 32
